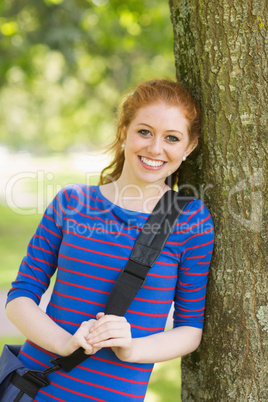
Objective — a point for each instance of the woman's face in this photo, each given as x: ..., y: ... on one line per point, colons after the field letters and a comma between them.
x: 155, y: 142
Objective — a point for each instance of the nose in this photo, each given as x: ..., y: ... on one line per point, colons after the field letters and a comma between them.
x: 155, y: 146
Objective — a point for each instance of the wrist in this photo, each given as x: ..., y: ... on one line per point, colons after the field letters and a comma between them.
x: 134, y: 355
x: 127, y: 355
x: 62, y: 344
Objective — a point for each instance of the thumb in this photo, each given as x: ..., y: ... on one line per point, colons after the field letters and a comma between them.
x: 99, y: 316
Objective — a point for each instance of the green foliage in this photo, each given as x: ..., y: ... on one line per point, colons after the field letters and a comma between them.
x: 66, y: 63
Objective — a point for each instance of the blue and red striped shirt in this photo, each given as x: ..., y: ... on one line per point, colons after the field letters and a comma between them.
x: 85, y: 240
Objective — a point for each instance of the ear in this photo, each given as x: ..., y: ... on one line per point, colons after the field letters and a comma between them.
x: 191, y: 147
x: 124, y: 134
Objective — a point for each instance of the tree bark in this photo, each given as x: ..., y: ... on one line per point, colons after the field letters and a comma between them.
x: 221, y: 54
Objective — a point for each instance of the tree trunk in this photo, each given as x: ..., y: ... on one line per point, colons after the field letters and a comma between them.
x: 221, y: 53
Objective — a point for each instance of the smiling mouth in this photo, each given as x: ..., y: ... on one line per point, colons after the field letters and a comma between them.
x: 151, y: 162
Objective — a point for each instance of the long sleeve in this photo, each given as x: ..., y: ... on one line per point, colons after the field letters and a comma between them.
x: 40, y: 262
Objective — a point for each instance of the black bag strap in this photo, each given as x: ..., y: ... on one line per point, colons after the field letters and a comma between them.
x: 146, y: 250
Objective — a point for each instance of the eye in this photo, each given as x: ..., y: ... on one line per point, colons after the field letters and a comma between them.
x: 172, y: 138
x: 144, y: 132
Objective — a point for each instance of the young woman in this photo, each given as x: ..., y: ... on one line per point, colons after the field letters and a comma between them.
x: 87, y: 234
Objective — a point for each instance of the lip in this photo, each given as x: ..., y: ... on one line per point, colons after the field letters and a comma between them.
x: 151, y: 167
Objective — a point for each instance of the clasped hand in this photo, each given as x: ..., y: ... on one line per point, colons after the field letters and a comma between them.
x: 107, y: 331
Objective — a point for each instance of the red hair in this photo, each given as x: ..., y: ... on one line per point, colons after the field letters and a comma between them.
x: 146, y: 93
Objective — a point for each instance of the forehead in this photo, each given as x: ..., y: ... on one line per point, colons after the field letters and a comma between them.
x: 161, y: 113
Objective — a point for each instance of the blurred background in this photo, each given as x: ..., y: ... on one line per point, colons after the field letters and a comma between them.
x: 65, y: 64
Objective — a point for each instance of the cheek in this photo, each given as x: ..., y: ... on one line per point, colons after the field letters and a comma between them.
x: 178, y: 164
x: 176, y: 156
x: 175, y: 160
x: 134, y: 144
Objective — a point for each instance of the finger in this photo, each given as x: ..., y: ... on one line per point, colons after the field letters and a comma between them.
x: 80, y: 337
x: 107, y: 319
x: 95, y: 350
x: 88, y: 324
x: 88, y: 349
x: 86, y: 327
x: 112, y: 342
x: 80, y: 341
x: 106, y: 328
x: 110, y: 333
x: 99, y: 316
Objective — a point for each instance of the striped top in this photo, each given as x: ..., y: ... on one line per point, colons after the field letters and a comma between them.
x: 86, y: 240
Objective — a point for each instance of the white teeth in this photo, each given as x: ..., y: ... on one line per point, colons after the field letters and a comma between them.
x: 149, y: 162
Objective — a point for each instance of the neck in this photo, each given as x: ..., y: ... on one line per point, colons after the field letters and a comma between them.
x: 135, y: 197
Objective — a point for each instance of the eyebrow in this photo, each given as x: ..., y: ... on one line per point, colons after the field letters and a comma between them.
x: 168, y: 131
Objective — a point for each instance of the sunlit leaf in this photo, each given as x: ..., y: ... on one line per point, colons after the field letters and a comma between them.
x: 9, y: 28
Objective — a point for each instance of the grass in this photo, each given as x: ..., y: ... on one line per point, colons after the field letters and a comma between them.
x: 165, y: 383
x: 15, y: 340
x: 18, y: 225
x: 15, y: 233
